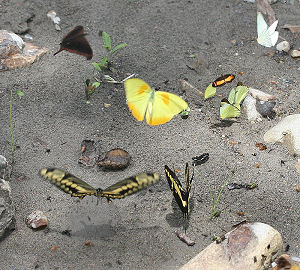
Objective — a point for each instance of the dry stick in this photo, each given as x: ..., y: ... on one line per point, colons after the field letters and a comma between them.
x: 184, y: 83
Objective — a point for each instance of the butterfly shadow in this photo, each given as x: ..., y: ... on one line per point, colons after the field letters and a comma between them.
x: 223, y: 124
x: 176, y: 218
x: 95, y: 231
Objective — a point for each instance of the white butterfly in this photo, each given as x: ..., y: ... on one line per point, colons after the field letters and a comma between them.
x: 266, y: 36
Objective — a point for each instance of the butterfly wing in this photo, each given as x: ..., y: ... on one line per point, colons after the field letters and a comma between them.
x: 241, y: 92
x: 75, y: 42
x: 266, y: 36
x: 261, y: 24
x: 67, y: 182
x: 227, y: 78
x: 163, y: 107
x: 129, y: 186
x: 138, y: 94
x: 228, y: 110
x: 180, y: 195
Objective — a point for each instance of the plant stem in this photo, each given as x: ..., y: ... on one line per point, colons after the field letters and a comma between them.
x: 216, y: 199
x: 12, y: 143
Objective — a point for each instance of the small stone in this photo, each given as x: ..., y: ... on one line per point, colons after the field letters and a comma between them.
x: 283, y: 46
x: 115, y: 159
x: 7, y: 209
x: 3, y: 163
x: 287, y: 131
x: 10, y: 44
x: 14, y: 53
x: 265, y: 108
x: 37, y: 220
x: 295, y: 53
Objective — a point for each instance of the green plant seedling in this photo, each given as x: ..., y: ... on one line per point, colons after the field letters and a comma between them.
x: 90, y: 88
x: 105, y: 62
x: 216, y: 198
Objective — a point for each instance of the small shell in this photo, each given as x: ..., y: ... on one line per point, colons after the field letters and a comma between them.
x: 115, y: 159
x: 37, y: 220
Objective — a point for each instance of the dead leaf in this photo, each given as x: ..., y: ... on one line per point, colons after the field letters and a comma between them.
x: 54, y: 248
x: 261, y: 146
x: 184, y: 238
x: 257, y: 165
x: 107, y: 105
x: 240, y: 213
x: 241, y: 72
x: 298, y: 188
x: 88, y: 243
x: 292, y: 28
x: 264, y: 7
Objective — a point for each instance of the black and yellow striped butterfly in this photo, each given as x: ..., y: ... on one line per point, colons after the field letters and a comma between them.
x: 182, y: 197
x: 76, y: 187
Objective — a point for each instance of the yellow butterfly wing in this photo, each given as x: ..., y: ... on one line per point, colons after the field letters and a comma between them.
x: 138, y: 94
x: 163, y: 107
x: 159, y: 107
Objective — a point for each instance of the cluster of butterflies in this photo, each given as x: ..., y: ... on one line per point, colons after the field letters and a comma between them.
x: 76, y: 187
x: 159, y: 107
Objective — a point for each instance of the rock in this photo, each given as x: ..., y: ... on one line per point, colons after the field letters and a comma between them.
x: 37, y: 220
x: 10, y: 44
x: 295, y: 53
x: 7, y: 209
x: 265, y: 108
x: 249, y: 107
x: 298, y: 166
x: 249, y: 246
x: 285, y: 262
x: 287, y: 131
x: 115, y: 159
x: 259, y: 104
x: 283, y: 46
x: 15, y: 53
x: 3, y: 166
x: 260, y: 95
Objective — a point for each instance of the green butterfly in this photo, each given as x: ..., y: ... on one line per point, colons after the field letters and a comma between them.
x: 231, y: 107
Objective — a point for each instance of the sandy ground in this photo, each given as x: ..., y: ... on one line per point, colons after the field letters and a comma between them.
x: 138, y: 232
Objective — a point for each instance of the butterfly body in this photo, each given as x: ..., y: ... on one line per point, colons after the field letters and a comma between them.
x: 158, y: 107
x: 76, y: 187
x: 75, y: 42
x: 266, y: 36
x: 182, y: 197
x: 227, y: 78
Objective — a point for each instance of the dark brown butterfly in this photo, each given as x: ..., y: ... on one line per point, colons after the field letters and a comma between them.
x: 223, y: 80
x: 75, y: 42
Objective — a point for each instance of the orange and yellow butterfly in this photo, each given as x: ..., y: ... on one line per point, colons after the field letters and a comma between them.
x: 160, y: 107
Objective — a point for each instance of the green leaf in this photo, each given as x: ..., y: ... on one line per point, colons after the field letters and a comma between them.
x: 106, y: 41
x: 192, y: 55
x: 19, y: 93
x: 210, y: 91
x: 103, y: 62
x: 97, y: 66
x: 118, y: 47
x: 96, y: 84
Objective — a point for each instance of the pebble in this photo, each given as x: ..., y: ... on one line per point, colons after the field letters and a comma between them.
x: 15, y: 53
x: 295, y: 53
x: 37, y: 220
x: 287, y: 131
x: 283, y: 46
